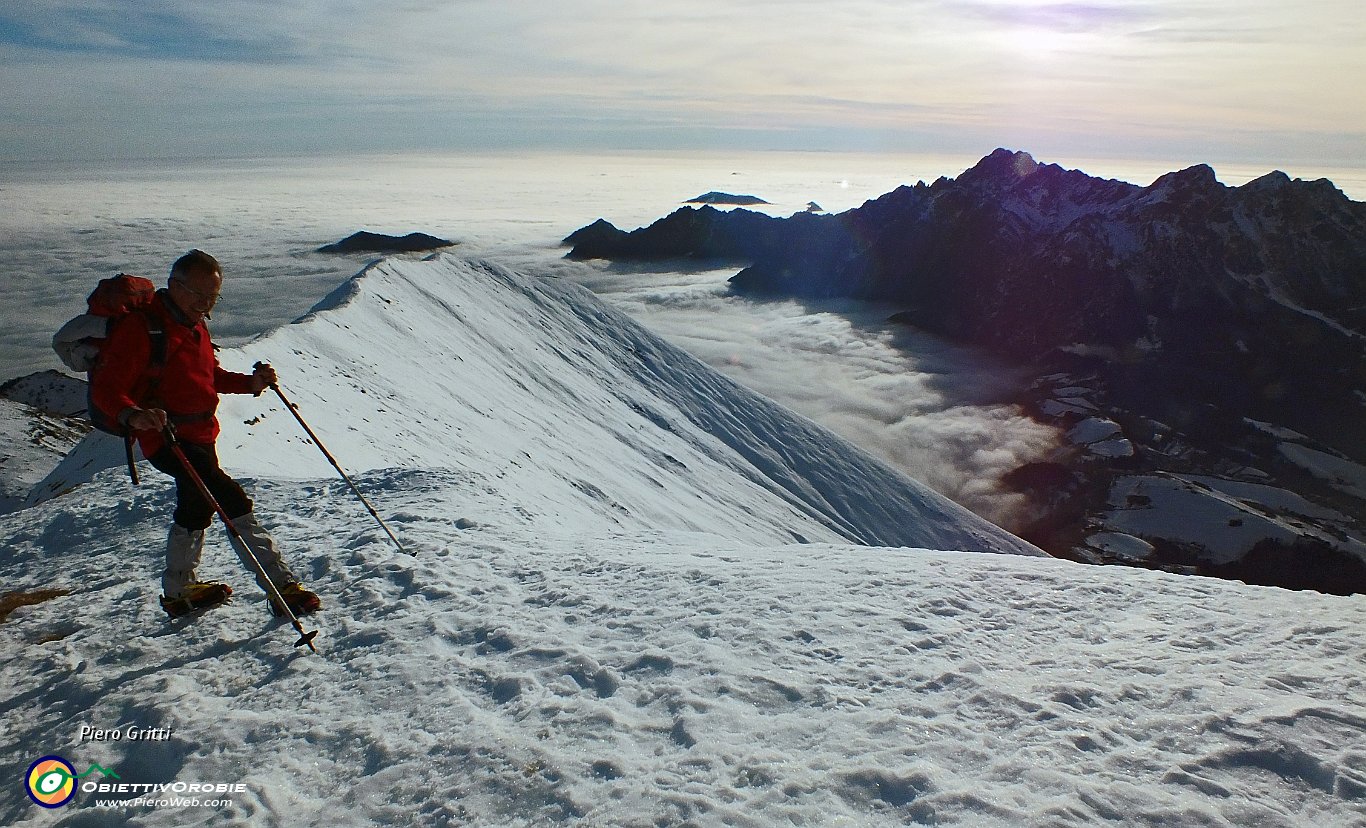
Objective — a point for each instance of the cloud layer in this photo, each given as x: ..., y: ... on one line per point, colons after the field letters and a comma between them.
x: 938, y: 412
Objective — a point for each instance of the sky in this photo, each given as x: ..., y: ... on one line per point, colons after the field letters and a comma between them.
x: 1190, y: 81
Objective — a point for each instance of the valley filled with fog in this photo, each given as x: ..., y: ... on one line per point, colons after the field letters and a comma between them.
x: 937, y: 411
x: 929, y: 408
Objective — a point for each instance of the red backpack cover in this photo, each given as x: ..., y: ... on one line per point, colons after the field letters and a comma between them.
x: 119, y: 295
x: 80, y: 341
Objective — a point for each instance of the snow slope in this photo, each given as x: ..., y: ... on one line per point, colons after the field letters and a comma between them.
x: 32, y: 441
x: 589, y: 647
x: 566, y: 410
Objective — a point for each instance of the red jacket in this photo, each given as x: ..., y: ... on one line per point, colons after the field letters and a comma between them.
x: 190, y: 382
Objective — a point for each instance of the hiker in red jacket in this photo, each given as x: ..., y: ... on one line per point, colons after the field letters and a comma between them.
x: 184, y: 391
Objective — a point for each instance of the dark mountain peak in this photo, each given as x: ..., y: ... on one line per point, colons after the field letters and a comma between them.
x: 1023, y: 187
x: 596, y: 233
x: 366, y: 242
x: 1323, y: 187
x: 1200, y: 176
x: 1272, y: 181
x: 1001, y: 165
x: 686, y: 233
x: 715, y: 197
x: 1277, y: 186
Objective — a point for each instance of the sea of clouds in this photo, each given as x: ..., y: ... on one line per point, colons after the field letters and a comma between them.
x: 939, y: 412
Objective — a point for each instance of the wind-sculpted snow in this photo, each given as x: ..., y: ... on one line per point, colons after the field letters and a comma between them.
x: 868, y: 503
x: 584, y: 414
x: 634, y: 603
x: 513, y: 675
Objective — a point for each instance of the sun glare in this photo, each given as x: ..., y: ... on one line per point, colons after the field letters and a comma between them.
x: 1036, y: 42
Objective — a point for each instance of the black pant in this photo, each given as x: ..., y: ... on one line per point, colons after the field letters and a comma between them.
x: 191, y: 509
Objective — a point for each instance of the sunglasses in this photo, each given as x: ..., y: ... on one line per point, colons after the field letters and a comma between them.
x: 209, y: 299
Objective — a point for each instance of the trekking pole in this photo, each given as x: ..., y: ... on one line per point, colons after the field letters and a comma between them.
x: 238, y: 541
x: 319, y: 443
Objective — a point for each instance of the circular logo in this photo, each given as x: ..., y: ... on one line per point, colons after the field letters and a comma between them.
x: 51, y: 782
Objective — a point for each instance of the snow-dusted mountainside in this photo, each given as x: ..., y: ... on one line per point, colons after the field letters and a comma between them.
x: 580, y: 411
x: 633, y: 603
x: 1178, y: 314
x: 50, y: 391
x: 32, y: 441
x: 41, y: 419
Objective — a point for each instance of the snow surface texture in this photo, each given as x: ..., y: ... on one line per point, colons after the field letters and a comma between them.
x: 33, y: 442
x: 625, y: 653
x: 578, y: 412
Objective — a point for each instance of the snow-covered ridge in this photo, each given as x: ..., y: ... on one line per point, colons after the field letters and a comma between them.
x: 623, y: 630
x: 587, y: 418
x: 41, y: 419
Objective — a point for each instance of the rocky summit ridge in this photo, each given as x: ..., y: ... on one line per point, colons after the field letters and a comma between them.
x: 1194, y: 314
x: 1182, y: 280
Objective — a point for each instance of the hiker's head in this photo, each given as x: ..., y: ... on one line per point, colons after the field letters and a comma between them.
x: 196, y: 279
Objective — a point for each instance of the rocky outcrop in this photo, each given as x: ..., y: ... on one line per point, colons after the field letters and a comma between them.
x: 367, y: 242
x: 1218, y: 495
x: 715, y: 197
x: 1175, y: 314
x: 687, y: 233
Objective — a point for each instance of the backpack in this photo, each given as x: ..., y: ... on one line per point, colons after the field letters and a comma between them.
x: 80, y: 340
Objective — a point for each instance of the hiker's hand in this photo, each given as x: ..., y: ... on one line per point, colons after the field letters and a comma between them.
x: 262, y: 378
x: 147, y: 419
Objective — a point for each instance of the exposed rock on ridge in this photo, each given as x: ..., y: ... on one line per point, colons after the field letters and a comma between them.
x: 1221, y: 329
x: 367, y: 242
x: 1249, y: 296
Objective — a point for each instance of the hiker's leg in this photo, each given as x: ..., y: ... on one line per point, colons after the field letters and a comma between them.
x: 192, y: 510
x: 263, y: 546
x: 185, y: 542
x: 235, y: 503
x: 184, y: 548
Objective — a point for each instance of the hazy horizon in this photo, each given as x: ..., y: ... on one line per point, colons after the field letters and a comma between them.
x: 70, y: 222
x: 938, y: 414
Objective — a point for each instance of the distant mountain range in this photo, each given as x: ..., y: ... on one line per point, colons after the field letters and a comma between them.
x: 1186, y: 308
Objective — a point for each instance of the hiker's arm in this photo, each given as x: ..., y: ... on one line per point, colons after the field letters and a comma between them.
x: 123, y: 361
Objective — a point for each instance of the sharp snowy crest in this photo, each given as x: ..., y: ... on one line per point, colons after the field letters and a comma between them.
x: 625, y: 628
x: 566, y: 413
